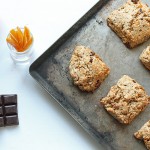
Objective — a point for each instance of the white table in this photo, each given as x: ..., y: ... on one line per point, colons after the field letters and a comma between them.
x: 44, y: 125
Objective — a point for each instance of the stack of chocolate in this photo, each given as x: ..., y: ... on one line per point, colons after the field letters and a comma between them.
x: 8, y: 110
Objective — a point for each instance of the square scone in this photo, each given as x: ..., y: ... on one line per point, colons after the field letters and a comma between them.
x: 145, y: 57
x: 144, y: 134
x: 87, y: 69
x: 131, y: 22
x: 125, y: 100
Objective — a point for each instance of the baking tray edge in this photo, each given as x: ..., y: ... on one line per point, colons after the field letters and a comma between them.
x: 32, y: 70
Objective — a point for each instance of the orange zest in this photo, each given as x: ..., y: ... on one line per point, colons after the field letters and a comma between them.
x: 20, y: 40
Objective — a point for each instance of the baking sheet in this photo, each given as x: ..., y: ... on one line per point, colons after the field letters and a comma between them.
x: 50, y: 70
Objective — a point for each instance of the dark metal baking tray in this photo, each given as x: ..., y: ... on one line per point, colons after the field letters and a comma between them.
x: 50, y: 70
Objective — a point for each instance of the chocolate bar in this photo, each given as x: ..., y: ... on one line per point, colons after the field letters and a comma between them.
x: 8, y: 110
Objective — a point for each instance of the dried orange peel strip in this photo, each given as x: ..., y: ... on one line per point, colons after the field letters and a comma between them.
x: 13, y: 35
x: 28, y: 43
x: 27, y: 33
x: 21, y: 41
x: 11, y: 42
x: 19, y: 36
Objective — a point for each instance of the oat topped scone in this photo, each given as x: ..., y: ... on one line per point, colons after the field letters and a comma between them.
x: 125, y: 100
x: 131, y: 22
x: 87, y: 69
x: 145, y: 57
x: 144, y: 134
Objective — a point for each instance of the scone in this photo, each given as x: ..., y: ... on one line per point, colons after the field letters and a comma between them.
x: 87, y: 69
x: 145, y: 57
x: 125, y: 100
x: 144, y: 134
x: 131, y: 22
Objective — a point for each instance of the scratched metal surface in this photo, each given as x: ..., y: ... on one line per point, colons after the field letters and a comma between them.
x: 51, y: 71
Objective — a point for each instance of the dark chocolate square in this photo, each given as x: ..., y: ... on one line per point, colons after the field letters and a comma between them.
x: 10, y: 99
x: 11, y: 120
x: 1, y: 111
x: 1, y: 122
x: 10, y: 110
x: 0, y: 100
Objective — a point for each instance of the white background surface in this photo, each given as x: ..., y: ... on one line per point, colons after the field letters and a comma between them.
x: 44, y: 125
